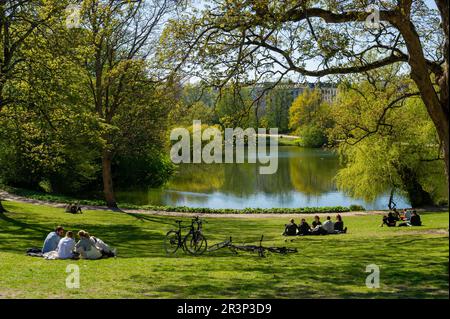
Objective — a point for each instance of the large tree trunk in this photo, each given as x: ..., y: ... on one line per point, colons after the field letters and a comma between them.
x: 435, y: 102
x: 107, y: 179
x: 417, y: 196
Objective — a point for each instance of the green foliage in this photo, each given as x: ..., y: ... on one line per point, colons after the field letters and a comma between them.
x: 309, y: 117
x: 356, y: 208
x: 312, y: 136
x: 151, y: 169
x: 396, y: 141
x: 278, y: 102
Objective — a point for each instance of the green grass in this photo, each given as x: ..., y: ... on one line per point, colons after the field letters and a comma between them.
x: 413, y: 261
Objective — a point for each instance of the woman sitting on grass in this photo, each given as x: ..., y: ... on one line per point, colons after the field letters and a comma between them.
x: 316, y: 222
x: 86, y: 248
x: 339, y: 225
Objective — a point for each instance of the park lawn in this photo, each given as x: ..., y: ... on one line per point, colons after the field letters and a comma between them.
x: 413, y: 261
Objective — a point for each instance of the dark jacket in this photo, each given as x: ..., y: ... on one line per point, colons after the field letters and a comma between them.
x: 339, y: 226
x: 291, y: 229
x: 415, y: 220
x: 304, y: 229
x: 314, y: 224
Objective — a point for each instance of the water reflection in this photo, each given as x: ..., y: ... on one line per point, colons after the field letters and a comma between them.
x: 305, y: 177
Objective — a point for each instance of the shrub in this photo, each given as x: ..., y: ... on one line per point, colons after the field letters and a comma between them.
x: 313, y: 136
x: 355, y: 208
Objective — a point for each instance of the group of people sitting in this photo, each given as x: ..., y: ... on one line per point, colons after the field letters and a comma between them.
x: 328, y: 227
x: 61, y: 245
x: 406, y: 218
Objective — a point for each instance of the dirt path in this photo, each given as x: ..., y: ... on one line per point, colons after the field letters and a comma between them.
x: 11, y: 197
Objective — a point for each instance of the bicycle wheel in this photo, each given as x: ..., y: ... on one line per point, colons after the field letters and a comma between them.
x: 171, y: 242
x: 195, y: 243
x: 219, y: 246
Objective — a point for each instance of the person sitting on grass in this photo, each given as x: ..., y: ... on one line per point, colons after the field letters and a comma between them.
x: 317, y: 228
x: 66, y: 247
x: 290, y: 229
x: 304, y: 228
x: 86, y: 248
x: 52, y: 240
x: 339, y: 225
x: 390, y: 220
x: 414, y: 220
x: 328, y: 226
x: 316, y: 221
x: 102, y: 246
x: 73, y: 208
x: 396, y: 214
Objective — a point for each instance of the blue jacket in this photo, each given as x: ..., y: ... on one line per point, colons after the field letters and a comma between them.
x: 51, y: 242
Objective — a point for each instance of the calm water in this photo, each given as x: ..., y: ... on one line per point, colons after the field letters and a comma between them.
x: 305, y: 177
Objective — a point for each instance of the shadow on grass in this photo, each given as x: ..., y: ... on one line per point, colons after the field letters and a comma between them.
x: 130, y: 240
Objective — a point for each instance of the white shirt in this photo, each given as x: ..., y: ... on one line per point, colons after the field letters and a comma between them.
x: 328, y: 225
x: 65, y: 248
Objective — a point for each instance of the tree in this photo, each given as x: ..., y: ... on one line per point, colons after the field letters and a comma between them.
x: 388, y: 141
x: 116, y: 43
x: 269, y: 38
x: 19, y: 20
x: 309, y: 117
x: 278, y: 102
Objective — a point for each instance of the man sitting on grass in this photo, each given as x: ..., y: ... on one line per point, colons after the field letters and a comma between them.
x: 66, y: 247
x: 52, y: 240
x: 390, y: 220
x: 291, y: 229
x: 304, y: 228
x: 328, y: 226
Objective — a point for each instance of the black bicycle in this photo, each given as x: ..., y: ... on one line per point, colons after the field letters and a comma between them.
x: 260, y: 249
x: 194, y: 242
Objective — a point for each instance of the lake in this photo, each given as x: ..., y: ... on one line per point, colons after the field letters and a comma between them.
x: 305, y: 178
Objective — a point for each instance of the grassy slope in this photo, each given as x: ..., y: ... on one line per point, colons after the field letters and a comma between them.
x: 413, y: 261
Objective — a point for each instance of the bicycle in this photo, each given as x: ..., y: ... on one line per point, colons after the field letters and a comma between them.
x: 260, y: 249
x: 193, y: 242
